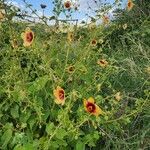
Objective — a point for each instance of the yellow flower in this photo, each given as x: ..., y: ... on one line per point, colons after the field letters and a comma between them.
x: 118, y: 96
x: 93, y: 42
x: 103, y: 63
x: 28, y: 37
x: 70, y: 36
x: 125, y: 26
x: 130, y: 5
x: 105, y: 19
x: 59, y: 95
x: 91, y: 107
x: 67, y: 4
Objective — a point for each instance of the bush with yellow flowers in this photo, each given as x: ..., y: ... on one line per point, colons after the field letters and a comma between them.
x: 87, y: 89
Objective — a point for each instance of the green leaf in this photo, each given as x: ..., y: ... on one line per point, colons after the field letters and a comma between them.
x: 32, y: 121
x: 14, y: 111
x: 61, y: 133
x: 19, y: 147
x: 28, y: 146
x: 96, y: 135
x: 80, y: 145
x: 38, y: 84
x: 54, y: 144
x: 24, y: 116
x: 17, y: 138
x: 6, y: 138
x: 50, y: 128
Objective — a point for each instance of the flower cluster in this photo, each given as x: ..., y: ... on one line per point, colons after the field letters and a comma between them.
x: 59, y: 92
x: 89, y: 104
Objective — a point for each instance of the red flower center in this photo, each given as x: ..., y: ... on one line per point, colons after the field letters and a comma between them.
x: 129, y: 4
x: 102, y: 62
x: 71, y: 69
x: 61, y: 94
x: 94, y: 42
x: 67, y: 4
x: 29, y: 37
x: 90, y: 107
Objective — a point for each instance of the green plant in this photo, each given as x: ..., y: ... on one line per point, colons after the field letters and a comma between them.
x: 30, y: 118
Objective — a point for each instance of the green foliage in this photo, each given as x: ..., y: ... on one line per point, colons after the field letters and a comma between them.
x: 30, y: 118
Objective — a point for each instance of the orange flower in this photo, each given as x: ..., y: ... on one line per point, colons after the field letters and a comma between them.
x: 130, y: 5
x: 91, y: 107
x: 67, y: 4
x: 28, y: 37
x: 105, y: 19
x: 103, y: 63
x: 93, y: 42
x: 59, y: 94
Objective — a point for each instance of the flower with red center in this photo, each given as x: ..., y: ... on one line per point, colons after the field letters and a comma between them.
x: 103, y: 63
x: 71, y: 69
x: 105, y: 19
x: 28, y: 37
x: 93, y: 42
x: 130, y: 5
x: 91, y: 107
x: 59, y: 94
x: 67, y: 4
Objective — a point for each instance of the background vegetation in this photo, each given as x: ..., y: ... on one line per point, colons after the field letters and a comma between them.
x: 29, y: 117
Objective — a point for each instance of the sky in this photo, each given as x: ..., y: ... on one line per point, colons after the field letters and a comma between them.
x: 80, y: 15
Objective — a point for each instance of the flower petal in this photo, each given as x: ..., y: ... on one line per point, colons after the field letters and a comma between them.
x: 98, y: 111
x: 27, y: 29
x: 91, y: 100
